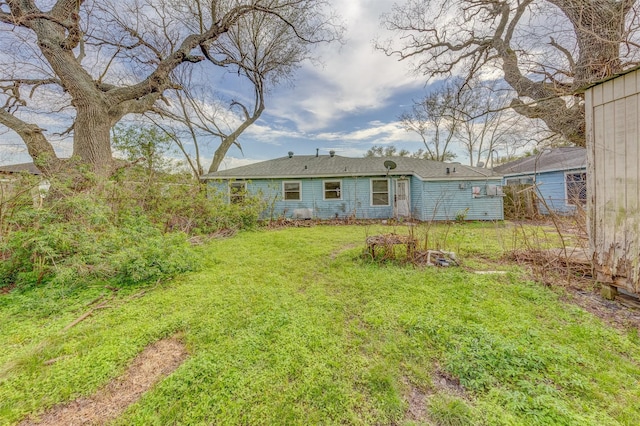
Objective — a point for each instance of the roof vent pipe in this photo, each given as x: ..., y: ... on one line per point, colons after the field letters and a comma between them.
x: 290, y: 154
x: 332, y: 153
x: 317, y: 151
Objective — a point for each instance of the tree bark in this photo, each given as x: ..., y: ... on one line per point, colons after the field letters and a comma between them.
x: 100, y: 105
x: 489, y: 34
x: 92, y: 138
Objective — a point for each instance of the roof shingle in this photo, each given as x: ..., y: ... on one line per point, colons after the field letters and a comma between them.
x: 302, y: 166
x: 565, y: 158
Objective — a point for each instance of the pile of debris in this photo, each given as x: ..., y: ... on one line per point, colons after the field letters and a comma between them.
x: 388, y: 247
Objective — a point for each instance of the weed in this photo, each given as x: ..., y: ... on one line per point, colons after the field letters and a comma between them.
x: 287, y: 327
x: 446, y: 410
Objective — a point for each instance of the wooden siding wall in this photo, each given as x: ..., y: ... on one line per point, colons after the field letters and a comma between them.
x: 444, y: 200
x: 552, y: 187
x: 429, y: 200
x: 613, y: 136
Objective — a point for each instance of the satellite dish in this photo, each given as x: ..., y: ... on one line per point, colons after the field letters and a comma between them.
x: 390, y: 165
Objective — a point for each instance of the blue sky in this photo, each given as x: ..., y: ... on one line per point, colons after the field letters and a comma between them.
x: 348, y: 102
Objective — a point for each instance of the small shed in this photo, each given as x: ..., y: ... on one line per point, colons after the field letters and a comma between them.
x: 612, y: 110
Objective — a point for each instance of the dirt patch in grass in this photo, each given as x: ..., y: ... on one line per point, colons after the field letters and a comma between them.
x: 418, y: 399
x: 622, y: 313
x: 570, y: 269
x: 154, y: 363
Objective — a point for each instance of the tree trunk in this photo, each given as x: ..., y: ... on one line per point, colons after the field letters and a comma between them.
x: 92, y: 138
x: 599, y: 26
x: 232, y: 139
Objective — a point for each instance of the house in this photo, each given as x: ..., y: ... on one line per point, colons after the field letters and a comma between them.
x: 332, y: 186
x: 12, y: 169
x: 559, y: 177
x: 8, y: 178
x: 612, y: 112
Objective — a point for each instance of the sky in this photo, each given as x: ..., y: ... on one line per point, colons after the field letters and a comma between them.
x: 348, y: 102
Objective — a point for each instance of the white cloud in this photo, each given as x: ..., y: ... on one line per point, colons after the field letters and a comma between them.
x: 354, y: 78
x: 377, y: 132
x: 231, y: 162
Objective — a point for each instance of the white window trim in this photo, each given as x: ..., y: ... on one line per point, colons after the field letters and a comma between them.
x: 324, y: 190
x: 371, y: 193
x: 566, y: 188
x: 244, y: 185
x: 299, y: 182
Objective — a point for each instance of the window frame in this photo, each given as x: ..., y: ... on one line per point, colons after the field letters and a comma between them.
x: 284, y: 191
x: 569, y: 201
x: 237, y: 197
x: 372, y: 193
x: 338, y: 190
x: 519, y: 180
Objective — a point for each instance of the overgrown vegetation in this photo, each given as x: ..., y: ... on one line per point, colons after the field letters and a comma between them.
x: 321, y: 336
x: 130, y: 229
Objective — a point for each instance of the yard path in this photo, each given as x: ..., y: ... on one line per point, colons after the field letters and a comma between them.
x: 157, y: 361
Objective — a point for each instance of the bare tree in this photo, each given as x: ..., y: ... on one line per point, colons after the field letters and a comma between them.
x: 386, y: 151
x: 263, y: 51
x: 435, y: 119
x: 103, y: 60
x: 487, y: 126
x: 547, y: 50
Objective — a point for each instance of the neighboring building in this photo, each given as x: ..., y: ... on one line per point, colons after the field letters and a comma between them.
x: 8, y: 176
x: 559, y: 175
x: 612, y: 110
x: 12, y: 169
x: 331, y: 186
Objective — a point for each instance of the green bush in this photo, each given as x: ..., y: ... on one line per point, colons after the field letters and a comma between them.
x: 124, y: 230
x: 63, y: 252
x: 160, y: 256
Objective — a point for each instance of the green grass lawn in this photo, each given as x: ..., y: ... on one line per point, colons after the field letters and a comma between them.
x: 295, y: 327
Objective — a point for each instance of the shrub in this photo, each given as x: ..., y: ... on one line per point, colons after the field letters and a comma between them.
x: 122, y: 230
x: 63, y: 248
x: 159, y: 257
x: 126, y: 230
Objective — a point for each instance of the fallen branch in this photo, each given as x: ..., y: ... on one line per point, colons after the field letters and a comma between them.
x: 96, y: 300
x: 85, y: 315
x: 54, y: 360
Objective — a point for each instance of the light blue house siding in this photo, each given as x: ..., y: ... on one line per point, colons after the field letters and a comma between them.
x: 445, y: 200
x: 429, y: 200
x: 559, y: 176
x: 551, y: 189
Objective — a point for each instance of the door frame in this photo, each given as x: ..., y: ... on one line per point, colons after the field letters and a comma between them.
x: 396, y: 209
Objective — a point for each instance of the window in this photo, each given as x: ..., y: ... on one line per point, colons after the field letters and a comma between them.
x: 576, y: 184
x: 332, y: 190
x: 237, y: 192
x: 292, y: 191
x: 379, y: 192
x: 520, y: 181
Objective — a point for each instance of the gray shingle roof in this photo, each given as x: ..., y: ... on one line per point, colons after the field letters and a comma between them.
x: 566, y: 158
x: 301, y: 166
x: 22, y: 167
